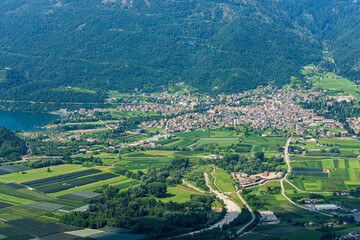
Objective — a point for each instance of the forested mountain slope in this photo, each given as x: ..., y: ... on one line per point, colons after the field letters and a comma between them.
x: 227, y: 45
x: 11, y: 146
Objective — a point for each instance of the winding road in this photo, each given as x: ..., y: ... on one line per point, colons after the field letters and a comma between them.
x: 253, y: 217
x: 287, y: 160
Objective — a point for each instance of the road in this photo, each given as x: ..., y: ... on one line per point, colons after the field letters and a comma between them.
x: 103, y: 123
x: 250, y: 210
x: 287, y: 160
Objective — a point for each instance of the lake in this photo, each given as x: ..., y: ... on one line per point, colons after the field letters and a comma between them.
x: 26, y: 121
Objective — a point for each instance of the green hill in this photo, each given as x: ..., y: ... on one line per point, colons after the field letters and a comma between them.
x: 11, y: 146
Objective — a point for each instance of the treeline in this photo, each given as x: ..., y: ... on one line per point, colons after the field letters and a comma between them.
x: 44, y: 163
x: 71, y: 127
x: 81, y: 160
x: 171, y: 174
x: 64, y: 160
x: 45, y: 107
x: 52, y: 148
x: 257, y: 164
x: 197, y: 176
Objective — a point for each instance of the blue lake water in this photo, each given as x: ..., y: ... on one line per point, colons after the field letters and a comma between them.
x: 26, y: 121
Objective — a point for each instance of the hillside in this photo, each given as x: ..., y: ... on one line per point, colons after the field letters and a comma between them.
x: 222, y: 45
x: 11, y: 146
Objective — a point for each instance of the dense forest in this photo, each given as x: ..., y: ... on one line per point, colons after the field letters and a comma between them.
x: 11, y: 146
x: 61, y: 49
x: 75, y: 51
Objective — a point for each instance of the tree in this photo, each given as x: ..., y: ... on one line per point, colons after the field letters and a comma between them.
x: 158, y: 189
x: 259, y: 155
x: 334, y: 150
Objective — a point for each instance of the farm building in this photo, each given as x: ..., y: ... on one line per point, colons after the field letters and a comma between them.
x: 326, y: 207
x: 269, y: 217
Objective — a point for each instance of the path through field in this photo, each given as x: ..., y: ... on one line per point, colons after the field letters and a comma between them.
x: 287, y: 160
x: 192, y: 186
x: 250, y: 210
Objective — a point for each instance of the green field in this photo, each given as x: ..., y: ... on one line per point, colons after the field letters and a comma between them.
x: 344, y: 175
x: 92, y: 186
x: 178, y: 194
x: 221, y: 137
x: 264, y: 143
x: 286, y: 213
x: 332, y: 81
x: 17, y: 212
x: 41, y: 173
x: 224, y: 181
x: 221, y: 143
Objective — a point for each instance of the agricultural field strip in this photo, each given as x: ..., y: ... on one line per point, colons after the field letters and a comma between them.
x: 307, y: 171
x: 13, y: 199
x: 63, y: 177
x: 59, y: 186
x: 91, y: 186
x: 19, y: 211
x: 322, y: 160
x: 219, y: 139
x: 24, y: 193
x: 39, y: 173
x: 344, y: 174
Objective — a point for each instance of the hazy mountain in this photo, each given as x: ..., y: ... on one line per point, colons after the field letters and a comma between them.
x: 227, y: 45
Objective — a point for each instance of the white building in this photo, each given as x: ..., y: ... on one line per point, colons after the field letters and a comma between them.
x: 326, y: 207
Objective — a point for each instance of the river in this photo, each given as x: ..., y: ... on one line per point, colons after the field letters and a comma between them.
x: 26, y: 121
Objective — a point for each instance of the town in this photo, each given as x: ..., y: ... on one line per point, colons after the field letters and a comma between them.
x: 273, y: 161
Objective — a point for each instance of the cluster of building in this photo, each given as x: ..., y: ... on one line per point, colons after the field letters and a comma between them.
x: 245, y: 180
x: 354, y: 123
x: 261, y: 108
x: 350, y: 235
x: 268, y: 217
